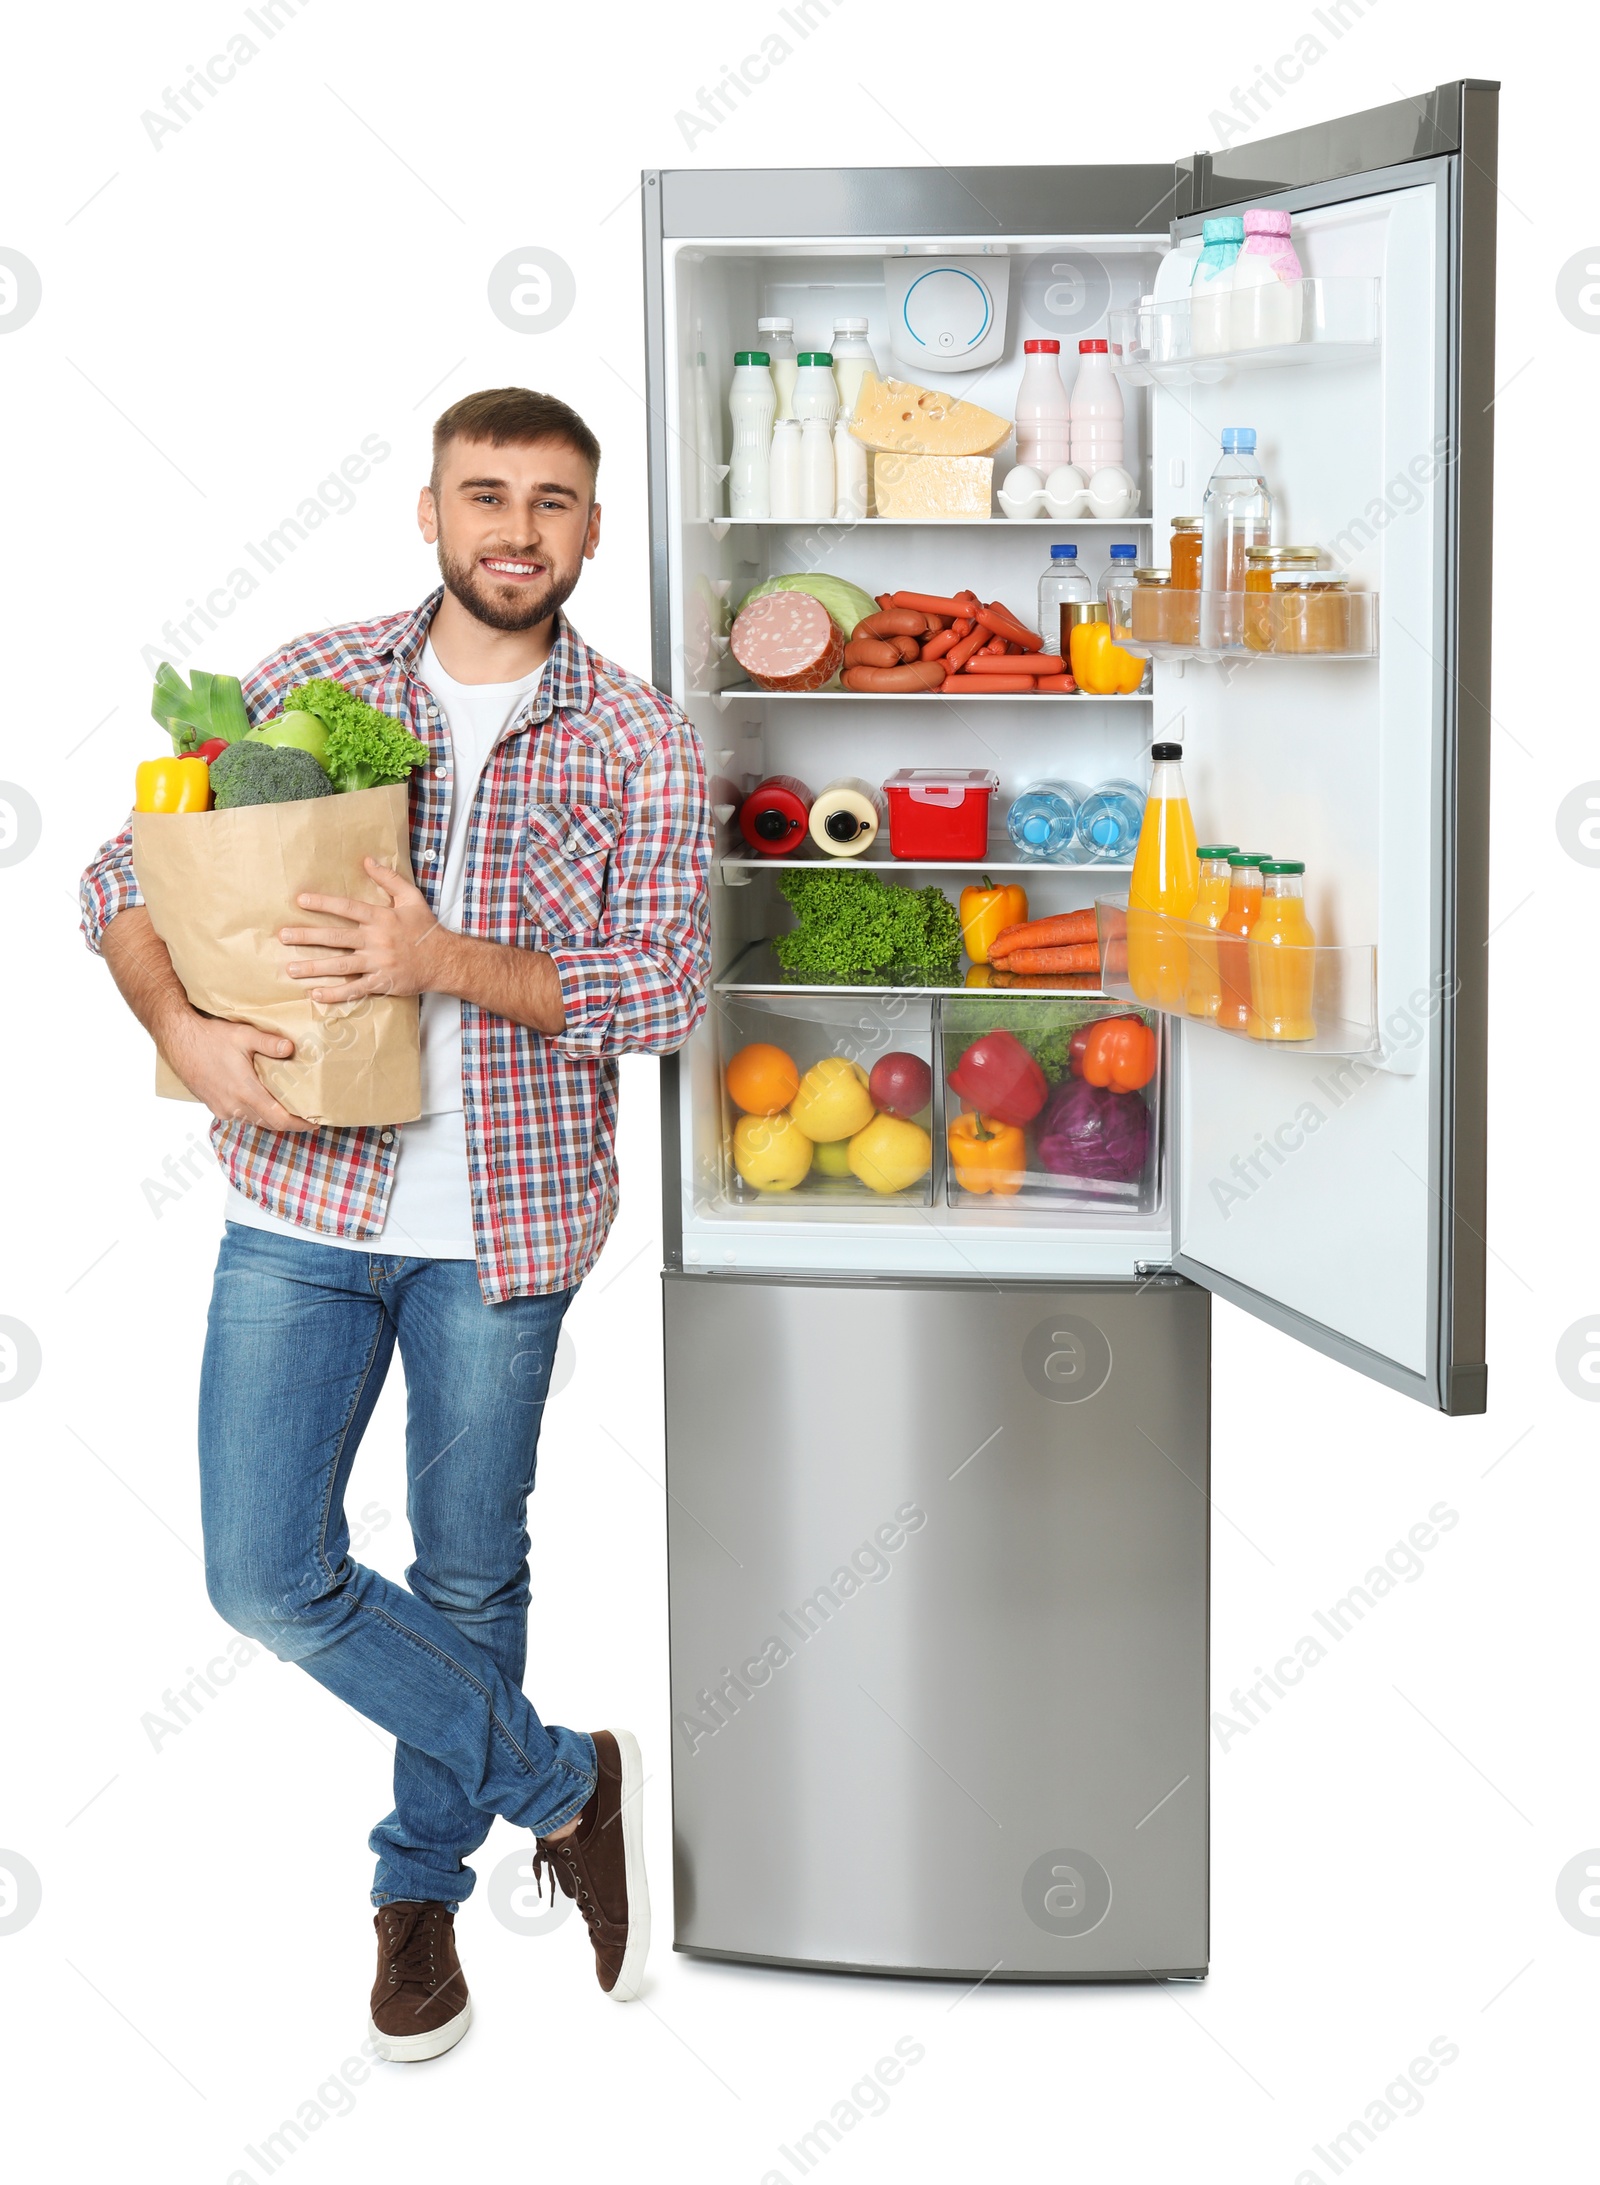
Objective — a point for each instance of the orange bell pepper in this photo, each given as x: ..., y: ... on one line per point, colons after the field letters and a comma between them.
x: 1100, y: 667
x: 986, y: 912
x: 1117, y: 1052
x: 986, y: 1155
x: 172, y: 785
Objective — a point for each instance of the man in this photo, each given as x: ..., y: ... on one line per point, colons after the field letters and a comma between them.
x: 560, y: 836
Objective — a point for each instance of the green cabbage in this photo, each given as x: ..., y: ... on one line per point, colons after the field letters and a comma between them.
x: 846, y: 602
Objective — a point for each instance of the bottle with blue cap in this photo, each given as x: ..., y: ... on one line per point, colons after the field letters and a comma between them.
x: 1043, y: 821
x: 1120, y: 567
x: 1236, y: 514
x: 1210, y: 293
x: 1062, y: 583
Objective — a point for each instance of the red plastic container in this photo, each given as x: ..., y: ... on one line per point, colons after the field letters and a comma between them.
x: 940, y: 811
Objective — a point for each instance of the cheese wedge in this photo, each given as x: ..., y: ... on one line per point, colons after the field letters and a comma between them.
x: 926, y: 488
x: 893, y: 413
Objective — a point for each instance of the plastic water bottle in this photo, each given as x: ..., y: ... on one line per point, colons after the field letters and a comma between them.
x: 1062, y: 583
x: 1236, y: 513
x: 1109, y: 819
x: 1043, y: 821
x: 1120, y: 565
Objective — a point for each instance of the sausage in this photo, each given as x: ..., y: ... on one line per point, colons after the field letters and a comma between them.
x: 914, y: 675
x: 985, y: 686
x: 879, y: 652
x: 929, y: 603
x: 787, y: 641
x: 1021, y: 663
x: 1005, y: 624
x: 892, y: 622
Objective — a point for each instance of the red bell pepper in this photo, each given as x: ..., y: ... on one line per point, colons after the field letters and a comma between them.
x: 999, y: 1078
x: 212, y: 748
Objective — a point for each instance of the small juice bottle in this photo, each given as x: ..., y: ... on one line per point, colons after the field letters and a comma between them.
x: 1282, y: 965
x: 1165, y: 881
x: 1233, y: 931
x: 1204, y: 996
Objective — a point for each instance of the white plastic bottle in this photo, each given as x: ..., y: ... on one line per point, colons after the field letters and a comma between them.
x: 707, y: 439
x: 752, y: 402
x: 1236, y: 514
x: 1265, y: 295
x: 1210, y: 328
x: 784, y: 489
x: 849, y: 474
x: 1062, y: 584
x: 852, y: 361
x: 777, y: 338
x: 817, y: 483
x: 1096, y: 410
x: 816, y: 391
x: 1044, y: 413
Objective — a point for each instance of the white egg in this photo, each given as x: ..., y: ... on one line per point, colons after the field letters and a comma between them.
x: 1021, y: 483
x: 1112, y: 492
x: 1066, y: 491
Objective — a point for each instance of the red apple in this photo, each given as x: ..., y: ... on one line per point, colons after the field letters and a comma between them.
x: 900, y: 1084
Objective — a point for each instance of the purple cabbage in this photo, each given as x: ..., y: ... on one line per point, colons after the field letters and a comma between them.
x: 1089, y: 1130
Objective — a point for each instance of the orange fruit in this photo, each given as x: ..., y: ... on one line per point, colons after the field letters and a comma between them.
x: 762, y: 1079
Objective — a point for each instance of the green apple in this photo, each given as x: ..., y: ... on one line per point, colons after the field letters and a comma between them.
x: 294, y: 731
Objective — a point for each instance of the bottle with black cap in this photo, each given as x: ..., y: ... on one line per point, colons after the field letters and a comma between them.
x: 773, y: 817
x: 1166, y: 880
x: 846, y: 817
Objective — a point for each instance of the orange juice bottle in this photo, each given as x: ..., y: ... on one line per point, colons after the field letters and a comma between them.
x: 1204, y: 995
x: 1233, y: 957
x: 1166, y: 879
x: 1282, y: 962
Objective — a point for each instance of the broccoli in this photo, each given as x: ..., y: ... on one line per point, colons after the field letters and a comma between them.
x: 366, y: 748
x: 856, y: 929
x: 252, y: 773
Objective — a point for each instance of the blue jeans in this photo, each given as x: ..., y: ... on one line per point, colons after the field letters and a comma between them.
x: 298, y: 1342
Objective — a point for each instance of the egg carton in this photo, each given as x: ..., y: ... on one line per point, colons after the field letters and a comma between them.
x: 1109, y: 494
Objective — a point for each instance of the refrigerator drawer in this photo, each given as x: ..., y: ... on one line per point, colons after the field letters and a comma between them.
x: 938, y: 1572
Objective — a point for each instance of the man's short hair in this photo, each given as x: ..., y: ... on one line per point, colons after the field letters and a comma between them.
x: 511, y: 417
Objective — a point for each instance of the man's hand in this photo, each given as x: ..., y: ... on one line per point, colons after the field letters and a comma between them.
x: 398, y: 947
x: 213, y: 1058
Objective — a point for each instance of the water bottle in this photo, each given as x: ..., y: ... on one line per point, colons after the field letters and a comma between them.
x: 1063, y: 583
x: 1109, y: 819
x: 1042, y: 823
x: 1119, y: 566
x: 1236, y: 513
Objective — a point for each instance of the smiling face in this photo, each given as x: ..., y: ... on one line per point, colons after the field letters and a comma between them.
x: 513, y: 526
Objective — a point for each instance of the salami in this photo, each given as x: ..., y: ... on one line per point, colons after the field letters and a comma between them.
x: 787, y: 641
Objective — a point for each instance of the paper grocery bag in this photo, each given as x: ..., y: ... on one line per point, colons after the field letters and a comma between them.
x: 218, y: 885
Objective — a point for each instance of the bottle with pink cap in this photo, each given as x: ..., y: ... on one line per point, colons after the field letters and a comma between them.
x: 1096, y: 410
x: 1044, y: 415
x: 1265, y: 295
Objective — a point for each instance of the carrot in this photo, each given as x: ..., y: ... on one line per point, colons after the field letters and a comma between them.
x: 1023, y: 663
x: 1083, y: 958
x: 929, y: 602
x: 1004, y: 623
x: 1057, y: 932
x: 938, y: 646
x: 1057, y: 982
x: 963, y: 652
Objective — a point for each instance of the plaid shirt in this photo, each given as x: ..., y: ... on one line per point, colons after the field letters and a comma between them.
x: 590, y: 838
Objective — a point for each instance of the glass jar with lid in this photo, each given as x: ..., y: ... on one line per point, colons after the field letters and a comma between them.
x: 1268, y: 569
x: 1186, y: 553
x: 1315, y: 613
x: 1149, y: 605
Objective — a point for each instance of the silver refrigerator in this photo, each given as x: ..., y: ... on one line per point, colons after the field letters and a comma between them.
x: 938, y: 1466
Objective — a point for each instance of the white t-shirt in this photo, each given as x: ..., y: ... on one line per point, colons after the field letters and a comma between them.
x: 430, y: 1201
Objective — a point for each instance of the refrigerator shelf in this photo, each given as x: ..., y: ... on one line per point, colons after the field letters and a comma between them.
x: 756, y: 970
x: 1249, y: 626
x: 1177, y: 345
x: 879, y: 859
x: 930, y: 697
x: 719, y: 525
x: 1187, y: 958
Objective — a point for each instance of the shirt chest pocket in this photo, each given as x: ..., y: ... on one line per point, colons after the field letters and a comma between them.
x: 566, y: 865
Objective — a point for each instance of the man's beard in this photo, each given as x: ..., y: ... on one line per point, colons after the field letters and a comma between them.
x: 522, y: 610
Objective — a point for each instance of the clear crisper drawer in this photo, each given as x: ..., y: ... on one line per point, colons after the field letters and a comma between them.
x: 1093, y: 1142
x: 827, y: 1104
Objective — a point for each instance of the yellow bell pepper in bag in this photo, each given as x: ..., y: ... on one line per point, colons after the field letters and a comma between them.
x: 172, y: 785
x: 1100, y: 667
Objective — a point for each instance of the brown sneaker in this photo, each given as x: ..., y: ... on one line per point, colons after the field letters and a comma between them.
x: 601, y: 1866
x: 420, y: 2004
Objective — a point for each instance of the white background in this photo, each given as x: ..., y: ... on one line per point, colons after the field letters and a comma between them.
x: 226, y: 317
